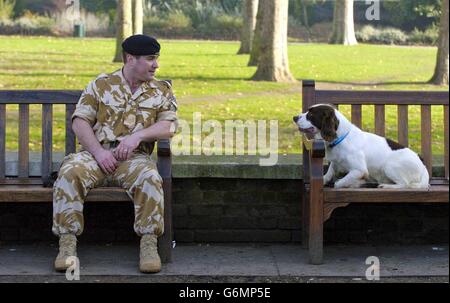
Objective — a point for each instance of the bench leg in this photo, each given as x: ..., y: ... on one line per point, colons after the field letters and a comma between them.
x: 316, y: 216
x: 305, y: 216
x: 315, y: 242
x: 165, y: 241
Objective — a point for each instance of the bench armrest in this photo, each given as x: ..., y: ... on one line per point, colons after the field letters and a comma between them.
x: 164, y: 148
x: 315, y: 147
x: 314, y: 153
x: 164, y: 161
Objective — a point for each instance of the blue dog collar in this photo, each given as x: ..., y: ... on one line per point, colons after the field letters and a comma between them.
x: 338, y: 140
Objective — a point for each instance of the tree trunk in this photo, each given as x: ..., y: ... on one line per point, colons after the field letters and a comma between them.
x: 305, y: 19
x: 343, y: 24
x: 138, y: 17
x: 273, y: 62
x: 440, y: 76
x: 124, y: 27
x: 256, y: 42
x: 249, y: 10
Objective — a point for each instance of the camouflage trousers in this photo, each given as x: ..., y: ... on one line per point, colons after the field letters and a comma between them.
x: 80, y: 172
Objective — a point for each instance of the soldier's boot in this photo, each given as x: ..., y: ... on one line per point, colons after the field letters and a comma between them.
x: 67, y: 248
x: 149, y: 262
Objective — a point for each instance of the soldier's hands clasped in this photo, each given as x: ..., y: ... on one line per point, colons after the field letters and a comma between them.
x: 106, y: 160
x: 126, y: 147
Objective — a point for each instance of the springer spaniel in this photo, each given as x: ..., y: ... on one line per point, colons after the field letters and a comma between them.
x: 361, y: 156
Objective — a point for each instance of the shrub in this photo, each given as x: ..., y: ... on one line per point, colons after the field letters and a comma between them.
x: 392, y: 36
x: 367, y: 33
x: 428, y: 37
x: 28, y: 24
x: 172, y: 24
x: 223, y: 26
x: 386, y: 35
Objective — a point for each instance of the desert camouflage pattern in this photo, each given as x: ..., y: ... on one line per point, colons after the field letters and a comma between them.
x: 114, y: 113
x: 80, y: 172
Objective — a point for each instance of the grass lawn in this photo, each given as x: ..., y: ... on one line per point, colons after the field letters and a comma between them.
x: 209, y: 78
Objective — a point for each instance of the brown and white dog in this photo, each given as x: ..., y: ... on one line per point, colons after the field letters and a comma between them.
x: 361, y: 156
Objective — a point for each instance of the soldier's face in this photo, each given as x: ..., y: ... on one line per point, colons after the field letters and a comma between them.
x: 144, y: 67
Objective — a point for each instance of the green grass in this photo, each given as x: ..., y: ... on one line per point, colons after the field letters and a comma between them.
x: 210, y: 78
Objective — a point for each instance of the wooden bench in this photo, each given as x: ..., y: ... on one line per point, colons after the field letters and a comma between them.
x: 23, y: 189
x: 319, y: 201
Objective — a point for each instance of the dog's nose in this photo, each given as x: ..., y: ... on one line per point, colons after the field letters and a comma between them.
x: 295, y: 118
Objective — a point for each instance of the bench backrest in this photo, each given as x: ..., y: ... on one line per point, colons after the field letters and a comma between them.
x: 379, y: 99
x: 47, y: 98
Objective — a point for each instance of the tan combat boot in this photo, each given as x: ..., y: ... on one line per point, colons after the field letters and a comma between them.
x: 149, y: 259
x: 67, y: 248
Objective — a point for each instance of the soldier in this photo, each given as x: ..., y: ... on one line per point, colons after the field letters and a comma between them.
x: 116, y: 116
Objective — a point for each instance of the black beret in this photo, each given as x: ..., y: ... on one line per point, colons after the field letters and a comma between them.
x: 141, y: 45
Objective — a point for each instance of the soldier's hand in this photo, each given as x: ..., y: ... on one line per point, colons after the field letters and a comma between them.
x: 106, y: 160
x: 126, y: 147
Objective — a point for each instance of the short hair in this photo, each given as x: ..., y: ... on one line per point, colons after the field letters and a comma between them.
x: 124, y: 56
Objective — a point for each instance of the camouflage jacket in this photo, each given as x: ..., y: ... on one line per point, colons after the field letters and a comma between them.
x: 114, y: 112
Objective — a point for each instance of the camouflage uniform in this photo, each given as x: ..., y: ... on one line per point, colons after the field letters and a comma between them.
x: 114, y: 113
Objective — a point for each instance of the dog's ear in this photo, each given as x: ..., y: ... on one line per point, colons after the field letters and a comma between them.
x: 330, y: 125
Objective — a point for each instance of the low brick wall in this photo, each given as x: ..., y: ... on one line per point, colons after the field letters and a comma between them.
x: 244, y: 208
x: 240, y: 210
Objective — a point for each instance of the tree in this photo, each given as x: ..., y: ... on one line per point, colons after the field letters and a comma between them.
x: 273, y: 61
x: 304, y: 5
x: 300, y: 11
x: 249, y: 10
x: 124, y: 27
x: 440, y: 76
x: 256, y: 41
x: 138, y: 17
x: 343, y: 24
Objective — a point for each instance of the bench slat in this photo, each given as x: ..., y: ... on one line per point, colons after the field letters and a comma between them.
x: 446, y: 143
x: 21, y: 181
x: 2, y: 140
x: 47, y: 118
x: 70, y: 135
x: 37, y: 193
x: 425, y: 113
x: 39, y: 96
x: 24, y: 139
x: 381, y: 97
x: 357, y: 115
x: 402, y: 125
x: 380, y: 120
x: 436, y: 194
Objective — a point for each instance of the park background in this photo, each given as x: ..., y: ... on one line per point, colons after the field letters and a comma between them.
x: 207, y: 48
x: 45, y: 45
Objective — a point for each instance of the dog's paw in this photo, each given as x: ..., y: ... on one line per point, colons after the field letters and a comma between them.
x: 358, y: 184
x: 391, y: 186
x: 339, y: 184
